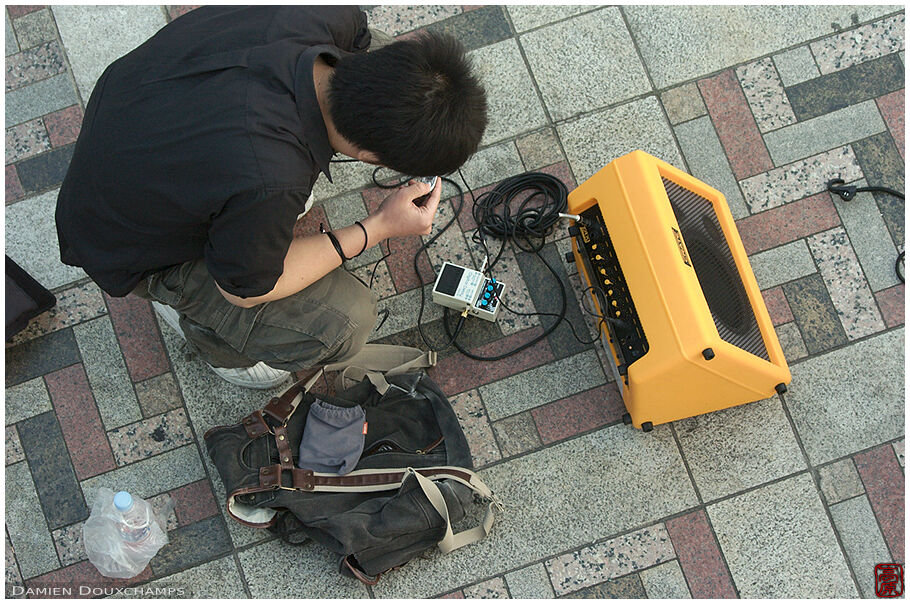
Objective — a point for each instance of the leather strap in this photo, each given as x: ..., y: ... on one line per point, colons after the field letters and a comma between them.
x: 285, y: 455
x: 255, y: 425
x: 358, y: 574
x: 381, y: 479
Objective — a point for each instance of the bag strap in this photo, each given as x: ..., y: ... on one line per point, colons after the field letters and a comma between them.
x: 374, y: 360
x: 451, y: 541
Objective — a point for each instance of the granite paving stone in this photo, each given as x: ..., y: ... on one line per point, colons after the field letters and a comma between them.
x: 397, y: 19
x: 279, y: 570
x: 14, y: 190
x: 86, y: 576
x: 796, y: 65
x: 25, y: 400
x: 574, y: 63
x: 26, y: 140
x: 683, y: 103
x: 191, y: 544
x: 40, y: 356
x: 69, y: 544
x: 158, y: 395
x: 382, y: 284
x: 778, y: 543
x: 862, y: 539
x: 800, y: 179
x: 708, y: 163
x: 541, y: 385
x: 16, y: 11
x: 517, y: 296
x: 151, y: 476
x: 194, y: 502
x: 884, y: 482
x: 899, y: 451
x: 891, y: 303
x: 513, y: 106
x: 137, y: 333
x: 535, y: 487
x: 882, y: 165
x: 449, y: 245
x: 625, y: 588
x: 578, y: 413
x: 611, y: 559
x: 778, y: 308
x: 516, y: 434
x: 39, y: 99
x: 539, y: 149
x: 791, y: 342
x: 34, y: 65
x: 45, y: 170
x: 815, y: 135
x: 162, y: 508
x: 12, y: 46
x: 107, y: 373
x: 401, y: 263
x: 595, y: 140
x: 891, y: 107
x: 345, y: 178
x: 477, y: 430
x: 815, y: 314
x: 401, y: 314
x: 494, y: 588
x: 836, y: 416
x: 26, y: 525
x: 787, y: 223
x: 530, y: 582
x: 344, y: 211
x: 14, y: 453
x: 839, y: 481
x: 860, y: 44
x: 735, y: 124
x: 74, y: 305
x: 28, y: 229
x: 490, y: 165
x: 55, y: 481
x: 782, y: 264
x: 679, y: 43
x: 765, y: 94
x: 699, y: 556
x: 476, y: 28
x: 88, y: 57
x: 665, y: 581
x: 455, y: 595
x: 851, y: 86
x: 734, y: 449
x: 150, y: 437
x: 844, y: 279
x: 63, y: 126
x: 869, y: 237
x: 218, y: 578
x: 35, y: 28
x: 79, y: 421
x: 531, y: 17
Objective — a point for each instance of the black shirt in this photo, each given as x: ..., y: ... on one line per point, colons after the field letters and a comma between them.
x: 204, y: 142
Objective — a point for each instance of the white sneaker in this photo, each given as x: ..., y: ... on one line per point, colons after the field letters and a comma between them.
x: 260, y: 376
x: 306, y: 207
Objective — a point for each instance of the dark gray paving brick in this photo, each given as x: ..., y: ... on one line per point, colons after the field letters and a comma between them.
x: 190, y: 545
x: 45, y: 170
x: 476, y: 28
x: 883, y: 166
x: 41, y: 356
x: 844, y: 88
x: 52, y: 470
x: 622, y: 588
x: 815, y: 314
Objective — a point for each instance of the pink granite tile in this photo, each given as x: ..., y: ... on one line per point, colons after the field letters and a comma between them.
x: 16, y: 11
x: 578, y: 413
x: 892, y: 109
x: 25, y: 140
x: 477, y: 430
x: 73, y: 578
x: 777, y: 304
x: 765, y: 93
x: 859, y: 44
x: 69, y: 544
x: 80, y: 422
x: 74, y: 305
x: 177, y: 11
x: 150, y: 437
x: 34, y: 64
x: 309, y: 223
x: 699, y: 556
x: 891, y: 302
x: 735, y: 125
x: 14, y: 191
x: 787, y: 223
x: 455, y: 595
x: 140, y: 340
x: 382, y: 284
x: 884, y: 482
x: 491, y: 589
x: 63, y: 126
x: 194, y: 502
x: 457, y: 373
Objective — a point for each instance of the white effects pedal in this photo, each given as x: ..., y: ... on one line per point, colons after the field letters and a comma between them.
x: 461, y: 289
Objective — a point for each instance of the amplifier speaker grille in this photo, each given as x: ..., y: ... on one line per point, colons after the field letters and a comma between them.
x: 716, y: 270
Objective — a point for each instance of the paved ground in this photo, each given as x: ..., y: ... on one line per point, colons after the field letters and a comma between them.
x: 797, y: 496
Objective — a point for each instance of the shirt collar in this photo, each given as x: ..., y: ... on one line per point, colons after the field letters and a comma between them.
x: 314, y: 130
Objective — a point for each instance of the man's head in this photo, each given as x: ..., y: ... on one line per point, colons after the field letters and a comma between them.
x: 414, y: 104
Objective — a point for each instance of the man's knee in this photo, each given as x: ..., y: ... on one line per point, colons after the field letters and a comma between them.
x: 362, y: 316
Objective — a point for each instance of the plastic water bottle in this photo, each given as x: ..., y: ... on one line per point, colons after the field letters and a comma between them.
x: 135, y: 522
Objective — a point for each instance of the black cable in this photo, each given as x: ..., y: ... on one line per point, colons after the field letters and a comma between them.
x: 897, y: 266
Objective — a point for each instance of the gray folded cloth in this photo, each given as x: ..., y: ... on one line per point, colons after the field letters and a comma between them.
x: 332, y: 439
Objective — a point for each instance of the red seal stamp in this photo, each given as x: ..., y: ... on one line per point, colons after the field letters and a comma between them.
x: 889, y: 580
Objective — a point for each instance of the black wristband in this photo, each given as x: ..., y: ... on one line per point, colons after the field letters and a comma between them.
x: 366, y: 237
x: 334, y: 241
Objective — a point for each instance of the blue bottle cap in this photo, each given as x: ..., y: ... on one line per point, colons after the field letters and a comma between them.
x: 123, y: 501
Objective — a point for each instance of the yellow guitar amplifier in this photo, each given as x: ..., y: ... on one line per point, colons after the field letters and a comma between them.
x: 684, y: 319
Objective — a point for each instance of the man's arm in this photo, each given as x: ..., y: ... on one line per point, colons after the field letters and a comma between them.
x: 310, y: 258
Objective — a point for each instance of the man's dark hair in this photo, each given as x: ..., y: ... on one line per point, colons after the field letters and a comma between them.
x: 414, y: 103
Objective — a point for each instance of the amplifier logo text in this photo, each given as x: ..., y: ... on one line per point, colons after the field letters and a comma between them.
x: 682, y: 247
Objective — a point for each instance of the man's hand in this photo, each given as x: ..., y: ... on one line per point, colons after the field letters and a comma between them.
x: 399, y: 216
